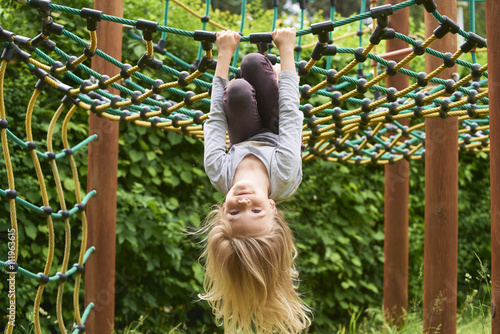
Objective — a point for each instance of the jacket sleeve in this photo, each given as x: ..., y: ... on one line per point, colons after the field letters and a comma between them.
x: 214, y: 132
x: 288, y: 153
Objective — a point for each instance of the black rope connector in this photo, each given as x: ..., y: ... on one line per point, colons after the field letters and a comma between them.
x: 88, y: 53
x: 30, y: 146
x: 62, y: 277
x: 40, y: 85
x: 55, y: 66
x: 207, y: 38
x: 176, y: 119
x: 124, y: 115
x: 448, y: 60
x: 123, y: 71
x: 418, y: 49
x: 69, y: 63
x: 42, y: 278
x: 93, y: 107
x: 148, y: 28
x: 161, y: 47
x: 42, y: 6
x: 365, y: 105
x: 5, y: 35
x: 261, y: 37
x: 445, y: 107
x: 85, y: 84
x: 271, y: 57
x: 304, y: 93
x: 47, y: 210
x: 22, y: 55
x: 419, y: 100
x: 205, y: 64
x: 12, y: 266
x: 322, y: 29
x: 156, y: 85
x: 80, y: 206
x: 64, y: 214
x: 310, y: 122
x: 446, y: 26
x: 68, y: 152
x: 301, y: 69
x: 429, y: 5
x: 471, y: 98
x: 197, y: 117
x: 448, y: 88
x: 10, y: 194
x: 421, y: 81
x: 390, y: 68
x: 381, y: 33
x: 393, y: 108
x: 336, y: 115
x: 418, y: 112
x: 205, y: 19
x: 7, y: 52
x: 330, y: 77
x: 359, y: 56
x: 144, y: 61
x: 49, y: 27
x: 391, y: 94
x: 24, y: 42
x: 475, y: 71
x: 50, y: 155
x: 39, y: 73
x: 155, y: 121
x: 182, y: 79
x: 472, y: 42
x: 382, y: 13
x: 361, y: 86
x: 79, y: 268
x: 102, y: 82
x: 165, y: 108
x: 471, y: 111
x: 187, y: 98
x: 336, y: 99
x: 135, y: 97
x: 4, y: 124
x: 306, y: 110
x: 92, y: 16
x: 114, y: 101
x: 35, y: 41
x: 297, y: 48
x: 63, y: 88
x: 318, y: 51
x: 143, y: 113
x: 80, y: 328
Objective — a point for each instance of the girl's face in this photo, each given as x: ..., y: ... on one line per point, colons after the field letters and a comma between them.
x: 248, y: 209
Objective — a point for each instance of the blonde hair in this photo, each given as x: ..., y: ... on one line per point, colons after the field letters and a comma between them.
x: 249, y: 281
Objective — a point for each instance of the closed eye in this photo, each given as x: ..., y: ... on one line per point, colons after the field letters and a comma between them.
x: 233, y: 213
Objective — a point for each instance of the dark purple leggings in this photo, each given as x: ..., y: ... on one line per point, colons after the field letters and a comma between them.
x: 251, y: 103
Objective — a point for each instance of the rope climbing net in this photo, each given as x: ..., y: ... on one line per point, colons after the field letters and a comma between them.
x: 360, y: 122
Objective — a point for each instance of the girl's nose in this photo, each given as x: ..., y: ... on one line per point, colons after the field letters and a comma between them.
x: 243, y: 201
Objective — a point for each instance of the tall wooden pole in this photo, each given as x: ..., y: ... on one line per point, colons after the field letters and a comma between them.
x: 441, y: 197
x: 492, y: 14
x: 102, y: 176
x: 396, y: 199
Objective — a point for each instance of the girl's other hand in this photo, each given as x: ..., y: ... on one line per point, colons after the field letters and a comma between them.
x: 227, y: 42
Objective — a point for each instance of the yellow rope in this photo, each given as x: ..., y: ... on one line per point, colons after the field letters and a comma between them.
x: 41, y: 181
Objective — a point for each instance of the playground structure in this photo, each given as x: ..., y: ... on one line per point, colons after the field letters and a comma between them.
x: 377, y: 130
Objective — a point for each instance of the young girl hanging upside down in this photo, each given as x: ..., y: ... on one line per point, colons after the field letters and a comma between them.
x: 250, y: 252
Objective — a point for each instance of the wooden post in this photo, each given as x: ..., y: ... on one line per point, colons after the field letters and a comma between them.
x: 441, y: 197
x: 102, y: 176
x: 492, y: 13
x: 396, y: 199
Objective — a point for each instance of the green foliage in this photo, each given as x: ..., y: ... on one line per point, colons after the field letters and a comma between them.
x: 336, y: 216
